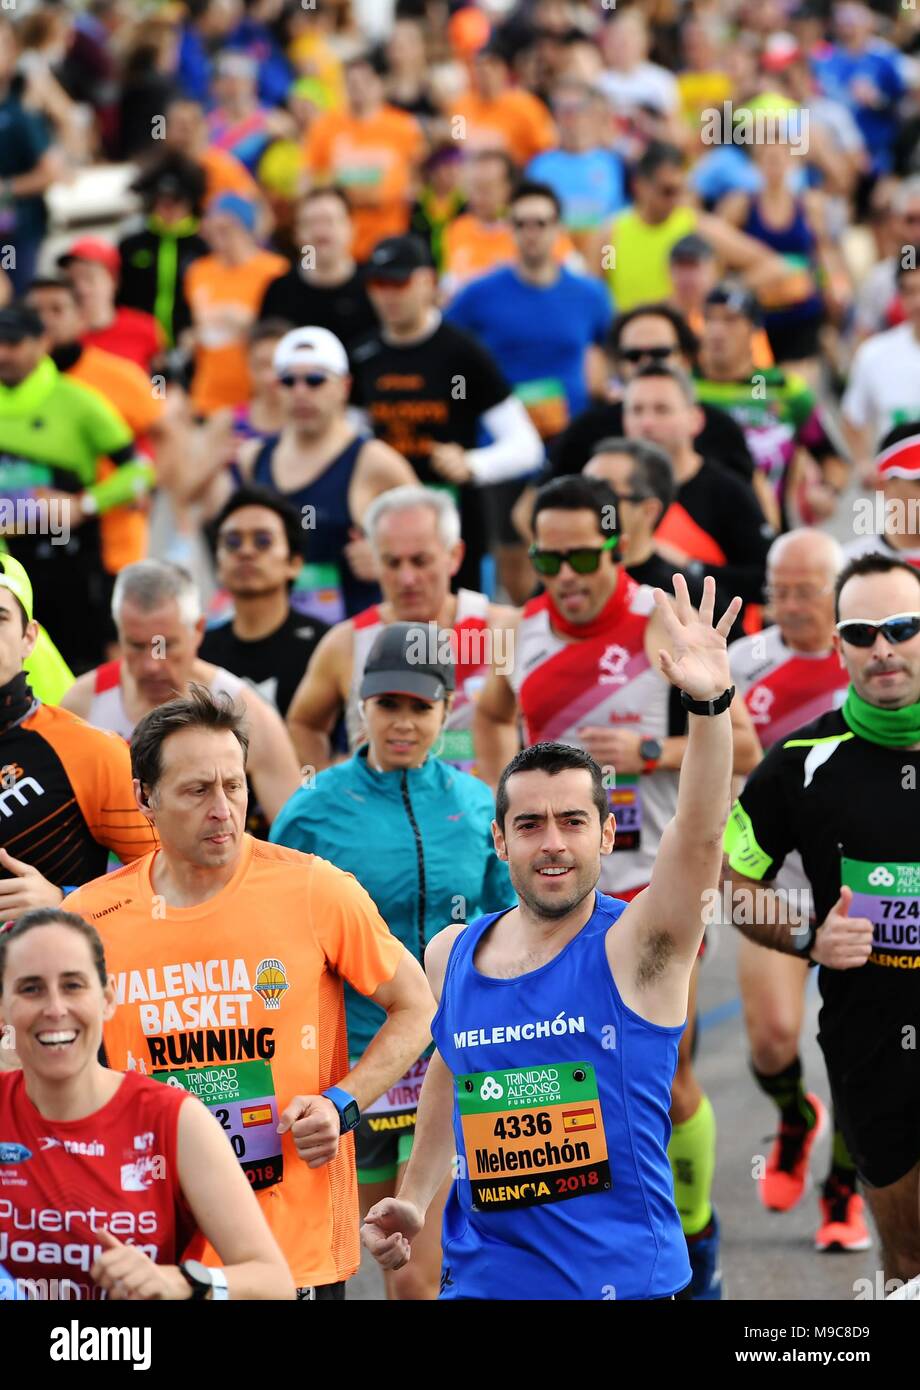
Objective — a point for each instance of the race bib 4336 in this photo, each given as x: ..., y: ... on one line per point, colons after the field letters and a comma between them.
x: 533, y: 1136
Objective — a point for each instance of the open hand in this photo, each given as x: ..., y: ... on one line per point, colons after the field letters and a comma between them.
x: 698, y: 660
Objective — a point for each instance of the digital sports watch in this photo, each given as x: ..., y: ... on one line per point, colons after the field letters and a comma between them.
x: 347, y: 1106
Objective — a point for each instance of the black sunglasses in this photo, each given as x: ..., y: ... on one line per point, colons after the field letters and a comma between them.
x: 655, y: 354
x: 311, y: 379
x: 862, y: 632
x: 584, y: 560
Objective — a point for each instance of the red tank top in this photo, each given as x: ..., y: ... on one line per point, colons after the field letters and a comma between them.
x: 63, y: 1180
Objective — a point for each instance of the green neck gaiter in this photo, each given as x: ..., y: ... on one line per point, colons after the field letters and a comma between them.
x: 892, y: 728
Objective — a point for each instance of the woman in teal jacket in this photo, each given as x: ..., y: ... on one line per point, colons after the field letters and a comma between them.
x: 416, y: 833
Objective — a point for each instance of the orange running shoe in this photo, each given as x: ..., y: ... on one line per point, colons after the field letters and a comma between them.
x: 843, y: 1227
x: 783, y: 1183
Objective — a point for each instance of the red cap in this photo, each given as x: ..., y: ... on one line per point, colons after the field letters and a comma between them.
x: 90, y: 248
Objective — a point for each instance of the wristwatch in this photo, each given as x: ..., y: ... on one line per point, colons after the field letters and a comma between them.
x: 804, y: 942
x: 347, y: 1106
x: 716, y: 706
x: 650, y: 751
x: 205, y: 1280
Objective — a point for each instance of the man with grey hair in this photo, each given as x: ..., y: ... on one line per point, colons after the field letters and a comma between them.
x: 789, y: 674
x: 415, y: 533
x: 157, y: 612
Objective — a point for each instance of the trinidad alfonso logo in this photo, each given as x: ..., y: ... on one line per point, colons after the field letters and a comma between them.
x: 271, y: 982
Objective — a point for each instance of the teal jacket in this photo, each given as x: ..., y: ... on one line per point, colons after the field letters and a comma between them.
x: 418, y: 840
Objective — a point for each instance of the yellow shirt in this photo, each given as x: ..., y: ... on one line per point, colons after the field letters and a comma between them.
x: 639, y: 272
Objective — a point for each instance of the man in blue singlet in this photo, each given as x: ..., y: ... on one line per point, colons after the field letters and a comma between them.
x: 557, y: 1036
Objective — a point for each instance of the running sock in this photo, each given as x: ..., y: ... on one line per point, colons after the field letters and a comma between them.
x: 787, y: 1092
x: 842, y: 1172
x: 692, y: 1153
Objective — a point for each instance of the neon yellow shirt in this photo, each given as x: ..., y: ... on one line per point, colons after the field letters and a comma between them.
x: 639, y: 272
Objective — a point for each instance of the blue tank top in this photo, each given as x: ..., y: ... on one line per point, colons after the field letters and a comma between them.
x: 326, y: 588
x: 797, y: 245
x: 561, y: 1100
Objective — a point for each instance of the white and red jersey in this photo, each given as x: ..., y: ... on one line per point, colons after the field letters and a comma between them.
x: 107, y: 706
x: 472, y: 656
x: 784, y: 689
x: 868, y: 545
x: 562, y: 685
x: 62, y: 1181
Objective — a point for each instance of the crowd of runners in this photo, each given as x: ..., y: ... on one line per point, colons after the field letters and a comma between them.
x: 459, y: 540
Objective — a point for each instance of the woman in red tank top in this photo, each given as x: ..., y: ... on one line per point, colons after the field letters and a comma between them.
x: 105, y: 1177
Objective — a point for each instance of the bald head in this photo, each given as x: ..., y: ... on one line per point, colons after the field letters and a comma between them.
x: 801, y: 568
x: 806, y: 547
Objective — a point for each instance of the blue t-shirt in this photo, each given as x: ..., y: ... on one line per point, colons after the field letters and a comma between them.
x: 837, y: 69
x: 590, y: 184
x: 538, y: 335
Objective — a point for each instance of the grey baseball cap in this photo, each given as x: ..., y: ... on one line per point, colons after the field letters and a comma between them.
x: 407, y: 659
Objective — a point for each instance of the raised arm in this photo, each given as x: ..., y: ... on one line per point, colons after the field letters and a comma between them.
x: 655, y: 944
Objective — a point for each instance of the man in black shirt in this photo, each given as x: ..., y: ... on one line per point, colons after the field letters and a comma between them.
x: 155, y: 257
x: 716, y: 518
x: 842, y: 792
x: 259, y: 555
x: 651, y: 333
x: 326, y: 289
x: 640, y: 476
x: 428, y: 388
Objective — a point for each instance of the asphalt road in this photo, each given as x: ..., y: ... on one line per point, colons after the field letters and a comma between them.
x: 765, y: 1255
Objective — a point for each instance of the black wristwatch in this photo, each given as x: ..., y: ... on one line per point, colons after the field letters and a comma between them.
x: 650, y: 751
x: 716, y: 706
x: 204, y: 1280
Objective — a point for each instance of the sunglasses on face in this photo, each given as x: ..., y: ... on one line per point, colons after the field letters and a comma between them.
x: 655, y: 354
x: 235, y: 540
x: 861, y: 632
x: 312, y: 379
x: 583, y: 560
x: 391, y: 283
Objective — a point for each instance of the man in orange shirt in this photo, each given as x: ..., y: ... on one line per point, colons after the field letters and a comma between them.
x: 158, y: 432
x: 237, y: 992
x: 224, y: 292
x: 372, y: 151
x: 494, y: 115
x: 480, y: 239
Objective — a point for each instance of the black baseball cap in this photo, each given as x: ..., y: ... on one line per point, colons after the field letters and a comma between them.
x: 691, y: 249
x: 18, y: 321
x: 737, y: 298
x: 396, y: 257
x: 406, y: 660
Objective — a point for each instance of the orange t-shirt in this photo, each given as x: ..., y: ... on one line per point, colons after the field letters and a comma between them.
x: 514, y: 121
x: 124, y: 530
x: 472, y: 247
x: 224, y: 173
x: 224, y: 301
x: 240, y: 1000
x: 373, y: 160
